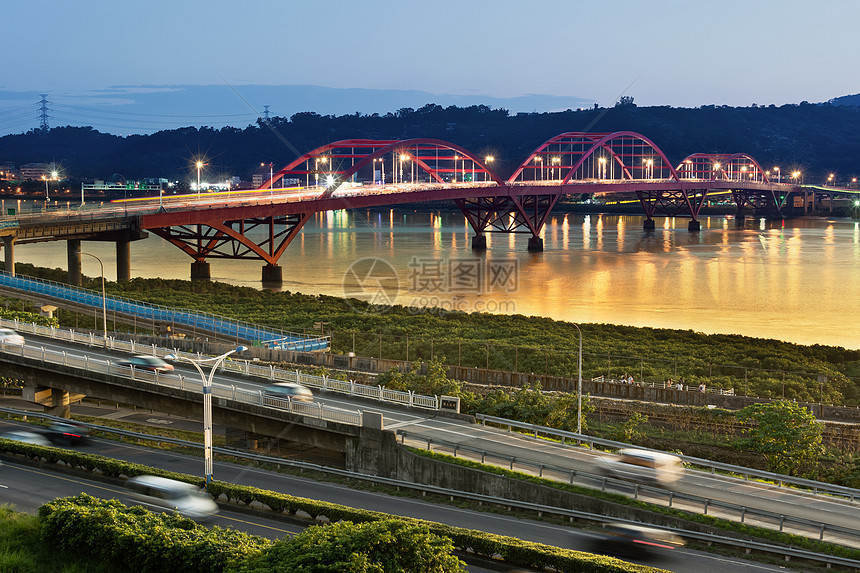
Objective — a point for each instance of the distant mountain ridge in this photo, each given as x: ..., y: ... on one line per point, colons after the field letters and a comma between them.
x: 846, y: 100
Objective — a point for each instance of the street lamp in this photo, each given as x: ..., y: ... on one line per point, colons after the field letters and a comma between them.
x: 778, y: 175
x: 488, y: 159
x: 199, y: 165
x: 602, y: 162
x: 579, y: 385
x: 539, y: 161
x: 207, y: 402
x: 271, y: 183
x: 104, y: 299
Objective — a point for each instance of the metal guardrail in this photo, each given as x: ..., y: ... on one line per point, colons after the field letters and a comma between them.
x: 780, y: 480
x: 671, y: 499
x: 736, y: 543
x: 178, y: 381
x: 244, y: 367
x: 157, y: 313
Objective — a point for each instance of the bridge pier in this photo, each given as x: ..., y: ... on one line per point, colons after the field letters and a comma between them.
x: 273, y: 274
x: 123, y: 261
x: 479, y: 243
x: 200, y: 271
x: 9, y: 254
x: 648, y: 225
x: 694, y: 226
x: 73, y: 252
x: 535, y: 244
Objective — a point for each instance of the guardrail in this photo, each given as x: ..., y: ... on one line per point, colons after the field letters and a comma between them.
x: 178, y: 381
x: 780, y: 480
x: 780, y: 551
x: 156, y: 313
x: 693, y: 503
x: 244, y: 367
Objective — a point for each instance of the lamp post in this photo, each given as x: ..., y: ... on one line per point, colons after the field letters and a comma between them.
x: 207, y: 402
x: 778, y: 175
x: 199, y: 165
x: 488, y: 159
x: 271, y: 183
x: 579, y: 384
x: 104, y: 299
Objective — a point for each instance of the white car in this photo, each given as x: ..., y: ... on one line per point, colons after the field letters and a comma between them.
x: 643, y: 466
x: 26, y: 437
x: 172, y: 495
x: 289, y: 391
x: 9, y: 336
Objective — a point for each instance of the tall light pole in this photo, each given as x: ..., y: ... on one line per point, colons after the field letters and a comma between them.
x: 271, y: 183
x: 778, y: 175
x: 104, y: 299
x: 579, y: 385
x: 199, y: 165
x: 207, y: 402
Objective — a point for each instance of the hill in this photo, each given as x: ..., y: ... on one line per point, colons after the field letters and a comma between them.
x: 816, y: 138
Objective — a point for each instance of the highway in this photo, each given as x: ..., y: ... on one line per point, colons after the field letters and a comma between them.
x: 27, y: 488
x: 421, y: 426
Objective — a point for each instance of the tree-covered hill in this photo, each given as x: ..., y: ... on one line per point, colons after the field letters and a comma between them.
x: 816, y: 138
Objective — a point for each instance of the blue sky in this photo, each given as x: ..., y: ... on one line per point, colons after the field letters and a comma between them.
x: 119, y: 63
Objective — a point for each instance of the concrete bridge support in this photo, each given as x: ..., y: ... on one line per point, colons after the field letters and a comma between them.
x: 694, y: 226
x: 648, y: 225
x: 9, y: 254
x: 123, y: 261
x: 535, y: 244
x: 73, y: 252
x: 200, y: 271
x: 479, y: 243
x: 273, y: 274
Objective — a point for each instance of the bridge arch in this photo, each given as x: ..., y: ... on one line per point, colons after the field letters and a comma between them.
x: 357, y: 160
x: 723, y: 166
x: 623, y: 155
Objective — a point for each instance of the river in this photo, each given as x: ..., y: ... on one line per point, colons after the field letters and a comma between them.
x: 792, y: 280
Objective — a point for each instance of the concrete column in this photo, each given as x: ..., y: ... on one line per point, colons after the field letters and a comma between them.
x: 200, y: 271
x: 73, y: 250
x: 60, y: 404
x: 535, y: 244
x: 273, y: 274
x: 9, y: 254
x: 648, y: 225
x: 123, y: 261
x: 694, y: 226
x: 479, y: 243
x: 739, y: 220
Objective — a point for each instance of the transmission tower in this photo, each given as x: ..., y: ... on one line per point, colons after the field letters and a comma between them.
x: 43, y: 114
x: 266, y: 113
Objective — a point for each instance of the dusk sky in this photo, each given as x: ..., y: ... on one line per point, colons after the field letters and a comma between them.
x: 100, y: 61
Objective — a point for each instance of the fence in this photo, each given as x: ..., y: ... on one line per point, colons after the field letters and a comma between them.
x: 202, y: 321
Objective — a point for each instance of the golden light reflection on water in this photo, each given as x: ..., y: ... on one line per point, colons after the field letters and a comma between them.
x: 795, y: 281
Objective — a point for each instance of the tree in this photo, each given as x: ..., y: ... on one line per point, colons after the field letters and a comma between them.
x: 385, y: 546
x: 786, y: 433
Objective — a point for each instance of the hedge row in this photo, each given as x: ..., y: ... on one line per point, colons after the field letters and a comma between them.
x: 514, y: 551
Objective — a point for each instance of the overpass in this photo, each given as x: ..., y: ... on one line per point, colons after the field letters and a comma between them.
x: 260, y: 224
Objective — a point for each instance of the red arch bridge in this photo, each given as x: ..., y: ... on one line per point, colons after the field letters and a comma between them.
x: 361, y: 173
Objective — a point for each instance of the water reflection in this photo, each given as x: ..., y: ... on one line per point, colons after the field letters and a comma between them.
x: 794, y: 280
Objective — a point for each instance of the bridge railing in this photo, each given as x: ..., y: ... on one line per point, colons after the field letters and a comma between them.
x: 272, y: 374
x: 178, y: 381
x: 194, y: 320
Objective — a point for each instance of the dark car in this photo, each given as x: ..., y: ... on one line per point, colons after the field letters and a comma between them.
x: 634, y: 541
x: 67, y: 434
x: 152, y: 363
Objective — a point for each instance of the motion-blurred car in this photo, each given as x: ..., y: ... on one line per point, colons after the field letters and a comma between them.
x: 643, y: 466
x: 152, y: 363
x: 635, y: 542
x: 164, y: 493
x: 289, y: 391
x: 9, y: 336
x: 26, y: 437
x: 67, y: 434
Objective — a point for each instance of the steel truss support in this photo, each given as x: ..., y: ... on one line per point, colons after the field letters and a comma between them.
x: 508, y: 214
x: 766, y: 201
x: 671, y: 204
x: 239, y: 239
